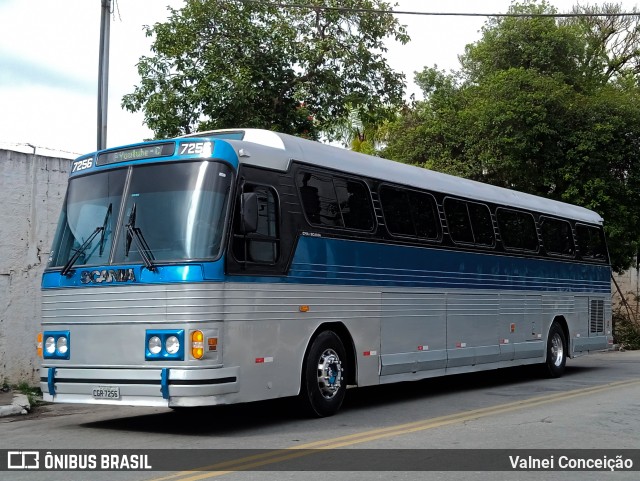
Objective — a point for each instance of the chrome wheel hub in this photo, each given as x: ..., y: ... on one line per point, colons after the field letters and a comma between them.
x: 557, y: 350
x: 329, y: 373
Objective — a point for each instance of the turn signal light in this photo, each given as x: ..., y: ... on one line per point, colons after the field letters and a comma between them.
x: 197, y: 344
x: 39, y: 344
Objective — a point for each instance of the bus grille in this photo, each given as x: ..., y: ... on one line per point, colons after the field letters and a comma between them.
x: 597, y: 316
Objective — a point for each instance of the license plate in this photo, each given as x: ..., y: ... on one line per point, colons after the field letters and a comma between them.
x: 106, y: 392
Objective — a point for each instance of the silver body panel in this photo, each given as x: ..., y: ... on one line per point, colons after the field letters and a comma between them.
x: 398, y: 334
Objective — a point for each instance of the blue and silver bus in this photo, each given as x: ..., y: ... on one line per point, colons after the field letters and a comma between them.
x: 240, y: 265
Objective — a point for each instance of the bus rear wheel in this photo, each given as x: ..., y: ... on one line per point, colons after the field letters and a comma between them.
x: 556, y: 352
x: 323, y: 381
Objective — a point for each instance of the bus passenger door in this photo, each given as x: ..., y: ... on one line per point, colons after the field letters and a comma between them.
x: 413, y: 333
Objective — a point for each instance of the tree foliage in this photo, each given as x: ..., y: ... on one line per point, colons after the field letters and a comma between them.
x: 546, y: 106
x: 231, y: 63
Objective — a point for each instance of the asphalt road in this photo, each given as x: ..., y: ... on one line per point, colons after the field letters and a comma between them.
x: 596, y: 406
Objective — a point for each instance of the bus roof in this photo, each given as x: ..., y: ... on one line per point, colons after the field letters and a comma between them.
x: 288, y: 148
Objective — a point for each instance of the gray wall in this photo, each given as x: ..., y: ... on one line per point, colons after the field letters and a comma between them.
x: 629, y: 283
x: 32, y: 189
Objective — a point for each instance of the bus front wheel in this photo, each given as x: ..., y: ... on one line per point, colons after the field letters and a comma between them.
x: 556, y: 352
x: 323, y: 379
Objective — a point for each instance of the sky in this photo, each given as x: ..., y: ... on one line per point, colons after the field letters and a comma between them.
x: 49, y: 52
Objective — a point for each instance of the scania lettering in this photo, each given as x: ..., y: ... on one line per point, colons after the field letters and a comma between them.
x: 98, y: 277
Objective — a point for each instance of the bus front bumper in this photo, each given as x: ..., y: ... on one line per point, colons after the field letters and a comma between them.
x: 167, y: 387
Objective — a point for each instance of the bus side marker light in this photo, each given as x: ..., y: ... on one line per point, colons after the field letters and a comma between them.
x: 212, y: 343
x: 423, y: 348
x: 369, y: 353
x: 512, y: 328
x: 461, y: 344
x: 304, y: 308
x: 39, y: 345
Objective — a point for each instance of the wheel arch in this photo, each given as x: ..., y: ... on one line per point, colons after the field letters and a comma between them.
x: 562, y: 322
x: 347, y: 341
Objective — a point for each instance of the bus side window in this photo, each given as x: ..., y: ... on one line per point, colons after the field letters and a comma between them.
x: 557, y: 236
x: 334, y: 201
x: 517, y: 229
x: 469, y: 222
x: 261, y: 246
x: 319, y: 200
x: 396, y: 209
x: 591, y: 243
x: 482, y: 224
x: 458, y: 221
x: 425, y: 215
x: 355, y: 203
x: 410, y: 213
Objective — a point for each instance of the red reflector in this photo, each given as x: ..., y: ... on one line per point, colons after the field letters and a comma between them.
x: 259, y: 360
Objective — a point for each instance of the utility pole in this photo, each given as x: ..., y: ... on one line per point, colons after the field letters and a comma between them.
x: 103, y: 74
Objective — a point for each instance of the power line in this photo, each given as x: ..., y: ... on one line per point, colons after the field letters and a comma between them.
x: 440, y: 14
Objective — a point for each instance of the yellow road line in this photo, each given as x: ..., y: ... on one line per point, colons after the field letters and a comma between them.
x: 293, y: 452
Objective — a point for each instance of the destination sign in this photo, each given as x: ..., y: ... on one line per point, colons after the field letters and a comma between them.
x: 165, y: 149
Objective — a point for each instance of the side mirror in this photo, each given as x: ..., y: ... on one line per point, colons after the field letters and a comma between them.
x: 248, y: 212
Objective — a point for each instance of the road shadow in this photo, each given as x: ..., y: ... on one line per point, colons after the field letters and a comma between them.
x: 208, y: 420
x: 371, y: 396
x: 234, y: 419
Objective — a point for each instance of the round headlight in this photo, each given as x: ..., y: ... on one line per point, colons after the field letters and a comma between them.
x: 61, y: 345
x: 50, y: 345
x: 154, y: 345
x: 172, y: 344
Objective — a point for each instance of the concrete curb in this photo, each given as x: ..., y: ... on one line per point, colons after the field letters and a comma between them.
x: 19, y: 405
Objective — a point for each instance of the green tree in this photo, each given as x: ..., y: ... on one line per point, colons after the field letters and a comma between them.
x: 234, y: 63
x: 611, y: 42
x: 541, y: 105
x: 359, y: 136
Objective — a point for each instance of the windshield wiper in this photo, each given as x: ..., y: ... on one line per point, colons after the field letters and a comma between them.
x: 134, y: 233
x: 104, y: 229
x: 85, y: 245
x: 67, y: 267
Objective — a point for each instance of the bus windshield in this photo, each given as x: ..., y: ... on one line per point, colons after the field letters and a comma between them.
x: 177, y: 210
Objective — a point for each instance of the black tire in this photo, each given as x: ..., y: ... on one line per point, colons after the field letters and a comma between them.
x: 556, y: 352
x: 323, y: 380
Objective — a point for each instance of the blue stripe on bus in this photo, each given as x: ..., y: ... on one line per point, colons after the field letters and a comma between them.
x: 343, y: 262
x: 334, y: 261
